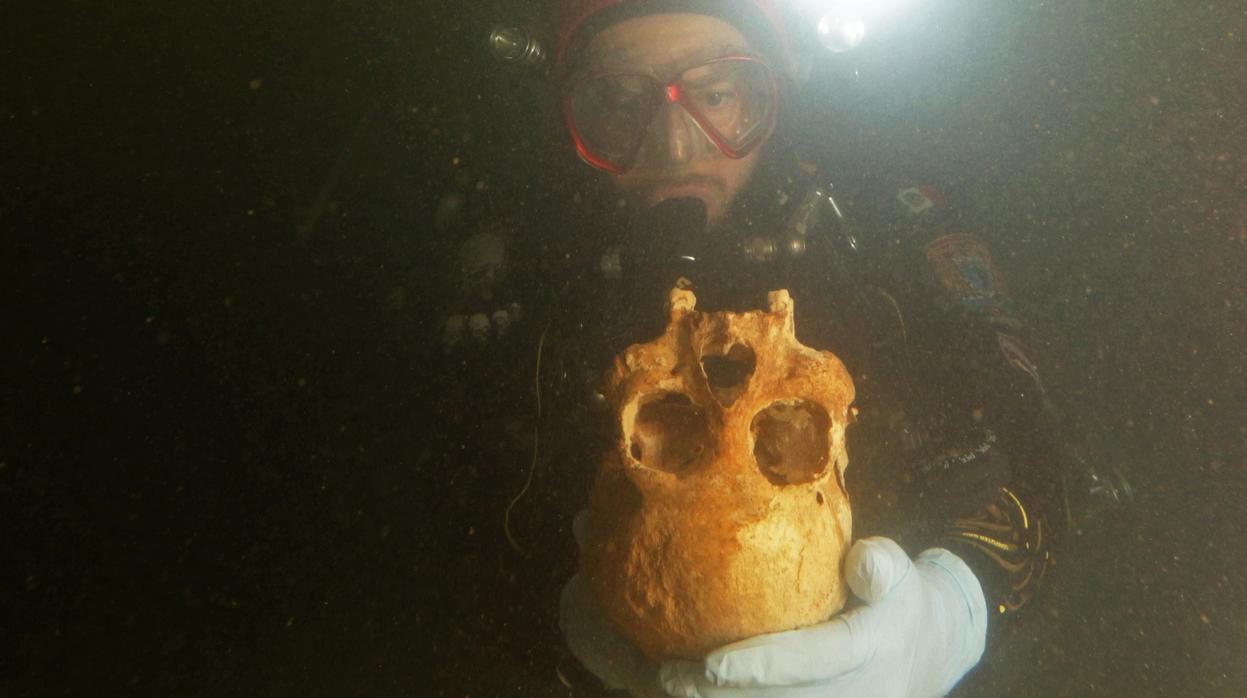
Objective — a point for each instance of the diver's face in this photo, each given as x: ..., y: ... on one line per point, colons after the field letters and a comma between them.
x: 676, y: 159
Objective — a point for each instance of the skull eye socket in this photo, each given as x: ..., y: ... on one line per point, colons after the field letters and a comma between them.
x: 791, y: 442
x: 670, y: 434
x: 728, y: 373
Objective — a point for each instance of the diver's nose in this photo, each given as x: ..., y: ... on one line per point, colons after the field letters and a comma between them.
x: 679, y: 133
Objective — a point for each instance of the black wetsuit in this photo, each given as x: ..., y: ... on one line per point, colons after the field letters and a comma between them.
x: 951, y: 447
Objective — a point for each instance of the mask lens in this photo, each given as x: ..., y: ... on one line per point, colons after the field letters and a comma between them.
x: 736, y: 99
x: 610, y: 113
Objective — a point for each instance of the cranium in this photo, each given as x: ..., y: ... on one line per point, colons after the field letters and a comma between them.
x: 721, y: 513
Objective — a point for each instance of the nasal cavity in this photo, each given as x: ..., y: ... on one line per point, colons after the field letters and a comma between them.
x: 671, y: 434
x: 791, y: 442
x: 728, y: 373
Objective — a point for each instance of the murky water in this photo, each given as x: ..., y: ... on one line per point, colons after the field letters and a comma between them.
x: 225, y: 229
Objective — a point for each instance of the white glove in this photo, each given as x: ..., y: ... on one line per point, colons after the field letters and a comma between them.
x: 595, y: 643
x: 600, y: 649
x: 922, y: 628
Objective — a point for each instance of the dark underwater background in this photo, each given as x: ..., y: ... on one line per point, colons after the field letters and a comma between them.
x: 220, y: 228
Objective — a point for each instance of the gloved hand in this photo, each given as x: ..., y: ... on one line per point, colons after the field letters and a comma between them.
x: 595, y: 643
x: 600, y: 649
x: 922, y: 628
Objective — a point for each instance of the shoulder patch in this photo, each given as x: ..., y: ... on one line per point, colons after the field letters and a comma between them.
x: 920, y: 198
x: 963, y: 266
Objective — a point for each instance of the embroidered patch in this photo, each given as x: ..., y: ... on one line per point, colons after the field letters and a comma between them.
x: 1019, y: 357
x: 963, y: 266
x: 919, y: 199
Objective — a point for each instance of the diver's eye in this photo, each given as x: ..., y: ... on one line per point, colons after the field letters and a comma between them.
x: 627, y: 98
x: 716, y: 99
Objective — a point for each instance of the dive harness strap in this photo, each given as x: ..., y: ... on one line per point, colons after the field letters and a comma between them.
x: 1007, y: 549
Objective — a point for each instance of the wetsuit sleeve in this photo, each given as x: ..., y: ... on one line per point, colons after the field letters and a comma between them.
x: 998, y: 425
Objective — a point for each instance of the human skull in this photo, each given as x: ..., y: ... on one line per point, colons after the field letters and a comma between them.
x: 721, y: 513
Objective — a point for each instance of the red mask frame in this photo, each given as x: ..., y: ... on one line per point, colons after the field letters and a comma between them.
x: 673, y: 91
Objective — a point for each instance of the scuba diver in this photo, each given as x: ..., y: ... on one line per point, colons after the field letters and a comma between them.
x: 692, y: 173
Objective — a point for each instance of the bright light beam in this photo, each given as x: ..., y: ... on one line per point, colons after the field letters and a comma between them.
x: 841, y: 24
x: 840, y: 33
